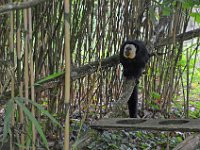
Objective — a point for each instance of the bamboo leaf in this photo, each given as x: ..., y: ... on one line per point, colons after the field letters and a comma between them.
x: 8, y: 112
x: 33, y: 120
x: 42, y: 110
x: 196, y: 16
x: 52, y: 76
x: 155, y: 95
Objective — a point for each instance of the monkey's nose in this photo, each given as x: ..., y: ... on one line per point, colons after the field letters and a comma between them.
x: 127, y: 52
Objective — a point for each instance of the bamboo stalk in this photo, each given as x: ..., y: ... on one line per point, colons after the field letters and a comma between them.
x: 67, y: 68
x: 21, y: 118
x: 11, y: 46
x: 26, y: 76
x: 32, y: 78
x: 19, y: 74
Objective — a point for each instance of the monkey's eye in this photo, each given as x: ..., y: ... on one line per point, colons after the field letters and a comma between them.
x: 128, y: 48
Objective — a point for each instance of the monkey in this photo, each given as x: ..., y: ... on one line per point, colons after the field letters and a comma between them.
x: 133, y: 57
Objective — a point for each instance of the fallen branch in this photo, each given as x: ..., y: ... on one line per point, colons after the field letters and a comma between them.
x: 76, y: 73
x: 80, y: 72
x: 119, y: 107
x: 180, y: 37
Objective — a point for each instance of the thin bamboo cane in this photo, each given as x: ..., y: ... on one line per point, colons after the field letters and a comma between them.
x: 11, y: 46
x: 67, y: 69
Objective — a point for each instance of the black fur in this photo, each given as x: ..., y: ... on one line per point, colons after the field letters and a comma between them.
x: 133, y: 68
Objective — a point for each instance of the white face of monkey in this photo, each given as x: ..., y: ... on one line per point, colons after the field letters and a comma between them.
x: 129, y: 51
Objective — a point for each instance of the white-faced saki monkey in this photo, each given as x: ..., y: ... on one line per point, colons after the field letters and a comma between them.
x: 133, y: 57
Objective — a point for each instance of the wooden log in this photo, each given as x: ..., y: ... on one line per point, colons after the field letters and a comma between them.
x: 190, y: 143
x: 183, y: 125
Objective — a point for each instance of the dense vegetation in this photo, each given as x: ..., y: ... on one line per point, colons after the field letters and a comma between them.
x: 32, y: 49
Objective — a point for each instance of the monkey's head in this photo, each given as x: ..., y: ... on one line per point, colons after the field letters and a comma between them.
x: 129, y: 51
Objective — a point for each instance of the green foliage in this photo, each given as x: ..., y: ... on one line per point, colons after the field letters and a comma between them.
x: 190, y: 3
x: 168, y: 5
x: 194, y: 109
x: 21, y: 103
x: 43, y: 111
x: 50, y: 77
x: 110, y: 140
x: 155, y: 95
x: 9, y: 111
x: 166, y: 11
x: 33, y: 120
x: 196, y: 16
x: 124, y: 140
x: 186, y: 3
x: 194, y: 87
x: 155, y: 100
